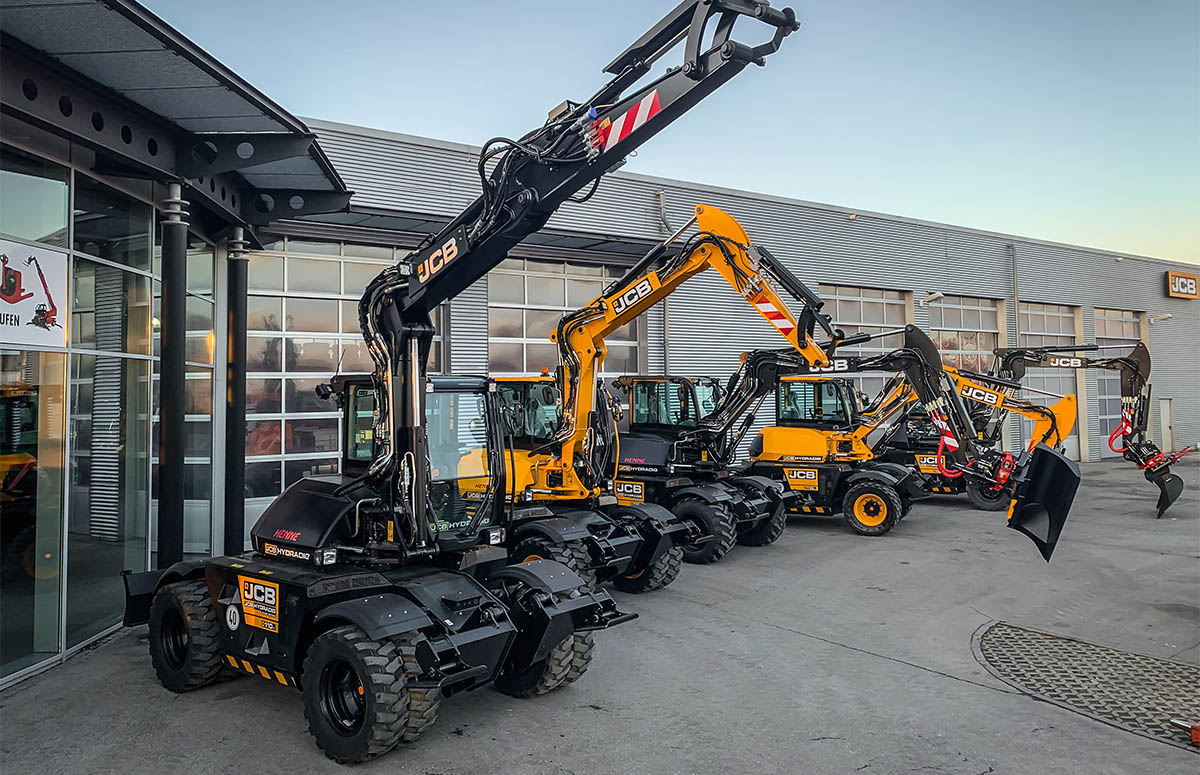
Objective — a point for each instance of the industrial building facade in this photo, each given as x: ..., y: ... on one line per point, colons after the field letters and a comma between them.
x: 92, y: 162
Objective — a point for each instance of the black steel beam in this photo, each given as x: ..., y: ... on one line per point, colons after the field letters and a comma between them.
x: 235, y: 402
x: 203, y: 155
x: 172, y: 388
x: 276, y: 204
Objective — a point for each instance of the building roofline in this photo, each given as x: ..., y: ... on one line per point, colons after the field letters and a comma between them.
x: 430, y: 142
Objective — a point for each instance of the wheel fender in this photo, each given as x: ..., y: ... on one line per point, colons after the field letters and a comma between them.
x: 140, y: 588
x: 659, y: 528
x: 909, y: 481
x: 557, y: 529
x: 379, y: 616
x: 546, y: 575
x: 709, y: 493
x: 871, y: 475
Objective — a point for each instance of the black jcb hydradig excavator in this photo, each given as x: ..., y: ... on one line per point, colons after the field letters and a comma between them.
x: 825, y: 458
x: 357, y: 589
x: 568, y: 455
x: 1128, y: 438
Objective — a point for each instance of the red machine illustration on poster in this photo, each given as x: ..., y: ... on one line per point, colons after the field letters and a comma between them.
x: 33, y: 282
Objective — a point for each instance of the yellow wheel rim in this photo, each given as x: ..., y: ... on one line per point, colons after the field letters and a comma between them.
x: 870, y: 509
x: 637, y: 575
x: 533, y: 557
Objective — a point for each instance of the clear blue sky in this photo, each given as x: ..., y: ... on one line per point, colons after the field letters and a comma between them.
x: 1072, y: 120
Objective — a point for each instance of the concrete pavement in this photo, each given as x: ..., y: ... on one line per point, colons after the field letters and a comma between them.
x: 826, y: 653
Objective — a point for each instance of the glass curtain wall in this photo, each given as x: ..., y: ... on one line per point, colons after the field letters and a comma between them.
x: 527, y: 298
x: 966, y: 330
x: 75, y: 421
x: 1121, y: 328
x: 302, y: 329
x: 866, y: 310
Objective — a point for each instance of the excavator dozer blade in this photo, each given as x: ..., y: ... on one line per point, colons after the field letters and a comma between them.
x: 1170, y: 487
x: 1042, y: 497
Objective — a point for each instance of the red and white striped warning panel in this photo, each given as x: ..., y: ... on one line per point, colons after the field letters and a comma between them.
x: 646, y: 108
x: 775, y: 315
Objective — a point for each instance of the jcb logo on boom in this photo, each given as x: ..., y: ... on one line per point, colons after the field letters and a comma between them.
x: 632, y: 296
x: 1066, y: 363
x: 837, y: 364
x: 437, y: 260
x: 979, y: 394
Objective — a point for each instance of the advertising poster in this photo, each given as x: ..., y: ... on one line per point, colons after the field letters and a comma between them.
x: 33, y: 296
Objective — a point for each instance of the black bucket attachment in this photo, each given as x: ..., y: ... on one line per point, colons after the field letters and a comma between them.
x: 1170, y: 487
x: 1042, y: 496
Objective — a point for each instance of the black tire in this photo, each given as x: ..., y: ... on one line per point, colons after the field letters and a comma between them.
x: 662, y: 572
x: 423, y: 703
x: 712, y: 519
x: 572, y: 554
x: 184, y: 636
x: 581, y: 656
x: 906, y: 505
x: 986, y: 499
x: 356, y: 697
x: 871, y: 508
x: 766, y: 532
x: 546, y: 675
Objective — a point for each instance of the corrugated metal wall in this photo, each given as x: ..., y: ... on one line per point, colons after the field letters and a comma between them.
x: 709, y: 326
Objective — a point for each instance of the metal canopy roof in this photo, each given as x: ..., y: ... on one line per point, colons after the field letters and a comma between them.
x: 121, y: 46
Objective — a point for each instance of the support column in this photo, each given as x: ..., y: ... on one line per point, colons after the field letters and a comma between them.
x: 235, y: 397
x: 172, y: 390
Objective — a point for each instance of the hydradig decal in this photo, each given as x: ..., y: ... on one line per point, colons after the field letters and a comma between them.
x: 285, y: 551
x: 801, y: 478
x: 927, y: 464
x: 629, y: 492
x: 976, y: 393
x: 260, y: 603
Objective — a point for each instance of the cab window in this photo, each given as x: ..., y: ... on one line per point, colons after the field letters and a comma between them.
x: 536, y: 405
x: 812, y: 402
x: 360, y: 425
x: 706, y: 397
x: 662, y: 403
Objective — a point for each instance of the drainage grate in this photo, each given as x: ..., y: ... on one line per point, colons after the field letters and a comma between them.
x: 1132, y: 691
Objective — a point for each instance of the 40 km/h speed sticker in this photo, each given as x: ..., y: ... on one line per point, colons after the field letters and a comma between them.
x: 260, y: 603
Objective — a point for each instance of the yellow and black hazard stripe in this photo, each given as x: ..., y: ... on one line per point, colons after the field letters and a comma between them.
x: 814, y: 509
x: 262, y: 671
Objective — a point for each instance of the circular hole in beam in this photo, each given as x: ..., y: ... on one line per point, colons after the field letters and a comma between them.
x: 264, y: 203
x: 29, y: 89
x: 126, y: 135
x: 204, y: 153
x: 244, y: 150
x: 152, y: 146
x: 65, y: 106
x: 296, y: 202
x: 97, y: 121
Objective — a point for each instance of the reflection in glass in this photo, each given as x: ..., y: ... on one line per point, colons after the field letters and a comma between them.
x: 504, y: 321
x: 312, y: 435
x: 111, y: 309
x: 262, y: 480
x: 357, y: 276
x: 504, y: 357
x: 111, y: 225
x: 264, y: 313
x: 109, y: 487
x: 200, y: 337
x: 311, y: 354
x: 32, y: 452
x: 295, y: 470
x: 302, y: 396
x: 263, y: 438
x: 263, y: 396
x: 263, y: 353
x: 312, y: 315
x: 33, y: 198
x: 313, y: 275
x: 264, y: 273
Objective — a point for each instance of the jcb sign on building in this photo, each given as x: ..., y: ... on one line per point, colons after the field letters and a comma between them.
x: 1181, y: 285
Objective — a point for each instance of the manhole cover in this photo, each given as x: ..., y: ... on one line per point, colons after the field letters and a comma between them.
x: 1132, y: 691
